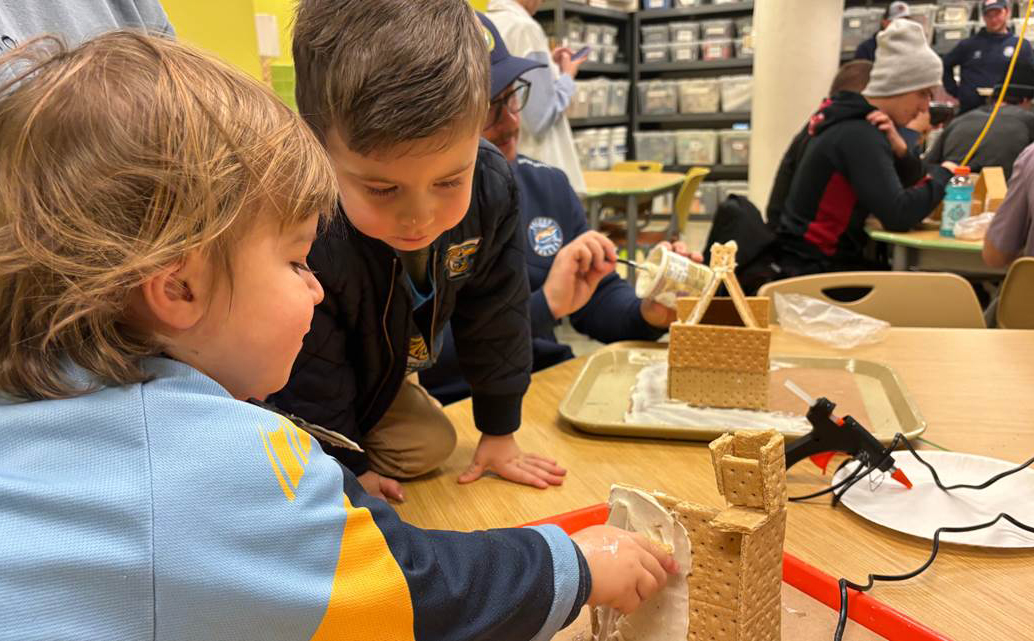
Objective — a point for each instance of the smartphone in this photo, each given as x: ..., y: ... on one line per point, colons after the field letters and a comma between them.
x: 581, y: 53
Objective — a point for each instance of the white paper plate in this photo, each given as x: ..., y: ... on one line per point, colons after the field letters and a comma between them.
x: 924, y: 508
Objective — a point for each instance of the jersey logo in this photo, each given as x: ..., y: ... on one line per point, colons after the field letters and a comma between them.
x: 1008, y: 51
x: 545, y: 236
x: 977, y: 54
x: 419, y: 357
x: 287, y: 449
x: 489, y: 38
x: 459, y: 258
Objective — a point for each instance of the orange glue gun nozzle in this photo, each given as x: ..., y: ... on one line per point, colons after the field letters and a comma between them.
x: 900, y: 477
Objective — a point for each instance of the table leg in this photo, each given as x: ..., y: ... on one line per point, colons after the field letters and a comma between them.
x: 594, y: 213
x: 632, y: 220
x: 899, y: 259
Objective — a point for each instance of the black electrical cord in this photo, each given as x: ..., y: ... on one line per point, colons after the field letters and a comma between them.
x: 851, y: 478
x: 872, y: 578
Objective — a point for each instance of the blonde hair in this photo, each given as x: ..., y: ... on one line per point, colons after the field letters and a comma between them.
x: 391, y: 72
x: 117, y: 158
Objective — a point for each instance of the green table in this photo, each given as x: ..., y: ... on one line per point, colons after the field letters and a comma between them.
x: 633, y: 185
x: 925, y: 249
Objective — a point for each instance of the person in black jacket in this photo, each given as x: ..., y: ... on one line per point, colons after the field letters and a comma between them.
x: 851, y: 168
x: 895, y: 10
x: 984, y: 57
x: 570, y: 267
x: 429, y: 237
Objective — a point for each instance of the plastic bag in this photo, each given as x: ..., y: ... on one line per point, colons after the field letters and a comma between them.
x: 973, y: 227
x: 829, y: 324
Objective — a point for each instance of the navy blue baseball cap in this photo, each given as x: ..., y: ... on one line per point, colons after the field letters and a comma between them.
x: 505, y: 68
x: 987, y: 5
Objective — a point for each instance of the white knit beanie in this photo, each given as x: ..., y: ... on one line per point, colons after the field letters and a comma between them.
x: 904, y: 61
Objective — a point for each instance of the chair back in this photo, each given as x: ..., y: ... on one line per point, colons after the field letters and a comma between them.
x: 903, y: 299
x: 687, y: 194
x: 1016, y: 298
x: 638, y: 165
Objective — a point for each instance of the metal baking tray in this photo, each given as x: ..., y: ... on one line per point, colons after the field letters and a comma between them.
x: 869, y: 391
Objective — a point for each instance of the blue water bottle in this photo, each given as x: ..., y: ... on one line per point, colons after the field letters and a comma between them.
x: 958, y: 198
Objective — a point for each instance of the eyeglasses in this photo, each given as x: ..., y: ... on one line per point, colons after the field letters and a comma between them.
x: 513, y: 100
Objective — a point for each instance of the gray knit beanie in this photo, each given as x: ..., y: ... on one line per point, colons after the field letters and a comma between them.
x: 904, y: 61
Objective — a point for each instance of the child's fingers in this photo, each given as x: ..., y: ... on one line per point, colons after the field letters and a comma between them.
x: 546, y: 464
x: 392, y: 489
x: 647, y: 584
x: 545, y: 475
x: 513, y: 472
x: 472, y: 473
x: 659, y: 554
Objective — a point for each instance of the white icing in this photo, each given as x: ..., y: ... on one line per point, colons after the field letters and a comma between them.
x: 652, y: 406
x: 665, y: 616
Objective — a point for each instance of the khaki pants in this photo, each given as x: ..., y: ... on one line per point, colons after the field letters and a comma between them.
x: 413, y: 437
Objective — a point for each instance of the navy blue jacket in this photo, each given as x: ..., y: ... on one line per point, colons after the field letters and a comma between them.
x: 355, y: 357
x: 984, y: 58
x: 866, y: 50
x: 551, y: 217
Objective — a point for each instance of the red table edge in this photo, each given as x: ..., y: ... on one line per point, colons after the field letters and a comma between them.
x: 863, y: 609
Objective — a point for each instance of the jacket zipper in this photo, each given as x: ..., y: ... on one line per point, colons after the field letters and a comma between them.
x: 387, y: 336
x: 434, y: 308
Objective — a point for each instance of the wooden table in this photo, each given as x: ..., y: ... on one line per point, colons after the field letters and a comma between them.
x: 633, y: 185
x: 927, y: 250
x: 973, y: 386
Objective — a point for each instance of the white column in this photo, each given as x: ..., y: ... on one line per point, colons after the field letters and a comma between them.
x: 796, y: 55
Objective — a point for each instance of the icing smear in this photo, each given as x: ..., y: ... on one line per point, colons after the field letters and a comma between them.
x: 666, y: 615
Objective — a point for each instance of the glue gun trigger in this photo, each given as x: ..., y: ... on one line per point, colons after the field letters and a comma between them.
x: 822, y: 459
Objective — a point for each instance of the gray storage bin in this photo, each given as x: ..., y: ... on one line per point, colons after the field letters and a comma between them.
x: 658, y: 97
x: 736, y: 92
x: 727, y: 187
x: 656, y: 4
x: 735, y: 144
x: 583, y: 146
x: 925, y: 15
x: 654, y: 34
x: 655, y: 53
x: 688, y: 3
x: 707, y: 199
x: 699, y: 96
x: 947, y: 36
x: 655, y: 146
x: 856, y: 28
x: 599, y: 155
x: 592, y: 34
x: 684, y: 31
x: 618, y: 103
x: 574, y: 30
x: 579, y: 106
x: 716, y: 49
x: 684, y: 51
x: 694, y: 147
x: 717, y: 29
x: 599, y: 98
x: 744, y: 27
x: 618, y: 145
x: 608, y: 54
x: 744, y: 47
x: 953, y: 13
x: 608, y: 34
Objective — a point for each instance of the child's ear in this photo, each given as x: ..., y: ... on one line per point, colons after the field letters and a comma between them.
x: 176, y: 296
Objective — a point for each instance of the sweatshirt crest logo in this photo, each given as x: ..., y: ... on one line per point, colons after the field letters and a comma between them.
x: 459, y: 258
x: 287, y: 449
x: 545, y: 236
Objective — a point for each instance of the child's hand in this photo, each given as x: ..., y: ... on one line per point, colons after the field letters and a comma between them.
x: 381, y: 486
x: 883, y: 122
x: 500, y: 454
x: 578, y: 268
x: 626, y: 568
x: 653, y: 312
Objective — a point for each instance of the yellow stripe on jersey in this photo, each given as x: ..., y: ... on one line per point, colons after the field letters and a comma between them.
x: 370, y: 598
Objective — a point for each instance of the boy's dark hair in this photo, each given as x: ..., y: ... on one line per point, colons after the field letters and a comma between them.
x: 852, y: 76
x: 388, y: 72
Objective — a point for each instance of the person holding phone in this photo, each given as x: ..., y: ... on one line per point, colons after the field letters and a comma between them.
x: 545, y: 132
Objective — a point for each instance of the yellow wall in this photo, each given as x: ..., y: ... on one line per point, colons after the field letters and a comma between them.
x: 225, y: 28
x: 480, y: 5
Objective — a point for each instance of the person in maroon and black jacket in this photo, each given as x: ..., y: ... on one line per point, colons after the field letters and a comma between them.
x: 852, y: 169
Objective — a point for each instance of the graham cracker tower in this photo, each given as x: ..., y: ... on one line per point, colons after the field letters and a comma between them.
x: 735, y: 586
x: 719, y: 350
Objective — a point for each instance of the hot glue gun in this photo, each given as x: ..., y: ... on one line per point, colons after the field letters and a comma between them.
x: 830, y: 434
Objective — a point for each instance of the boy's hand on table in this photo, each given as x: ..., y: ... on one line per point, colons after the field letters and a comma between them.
x: 381, y: 487
x: 577, y: 270
x: 626, y: 568
x: 500, y: 454
x: 653, y: 312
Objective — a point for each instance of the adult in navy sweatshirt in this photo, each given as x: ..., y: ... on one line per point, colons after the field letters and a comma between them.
x: 984, y: 57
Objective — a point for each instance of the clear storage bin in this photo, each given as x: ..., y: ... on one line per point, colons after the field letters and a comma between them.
x: 579, y: 106
x: 696, y: 147
x: 688, y: 3
x: 608, y: 54
x: 736, y: 92
x: 729, y: 187
x: 656, y: 4
x: 716, y: 49
x: 1017, y: 24
x: 947, y: 36
x: 744, y: 47
x: 574, y: 30
x: 856, y: 28
x: 599, y: 98
x: 717, y: 29
x: 744, y: 27
x: 655, y: 146
x: 655, y: 53
x: 925, y: 15
x: 592, y: 34
x: 583, y: 142
x: 699, y: 96
x: 654, y: 34
x: 618, y: 145
x: 599, y: 158
x: 707, y: 199
x: 953, y: 13
x: 657, y: 97
x: 735, y: 144
x: 608, y: 34
x: 595, y: 53
x: 684, y: 51
x: 618, y: 103
x: 684, y: 31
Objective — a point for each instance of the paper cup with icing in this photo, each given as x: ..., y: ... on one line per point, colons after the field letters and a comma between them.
x: 668, y: 275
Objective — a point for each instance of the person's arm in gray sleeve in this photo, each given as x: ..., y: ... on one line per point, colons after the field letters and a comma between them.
x: 549, y: 98
x: 1010, y: 226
